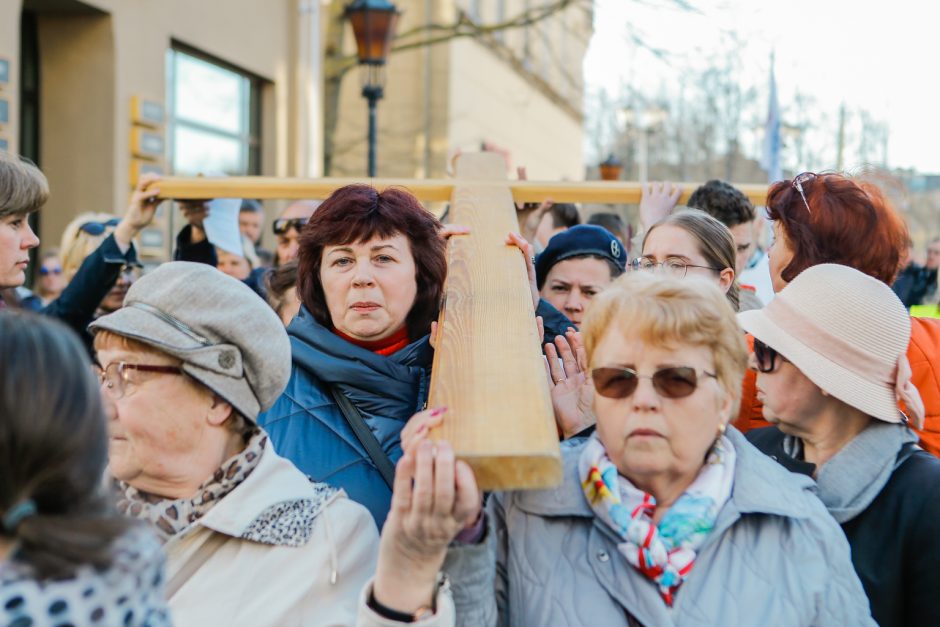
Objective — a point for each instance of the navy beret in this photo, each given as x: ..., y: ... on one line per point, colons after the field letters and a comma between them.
x: 583, y: 239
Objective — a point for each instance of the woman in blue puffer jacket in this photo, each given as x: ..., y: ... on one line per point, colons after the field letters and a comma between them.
x: 371, y: 275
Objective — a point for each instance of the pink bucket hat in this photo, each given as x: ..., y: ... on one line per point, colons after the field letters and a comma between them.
x: 848, y: 333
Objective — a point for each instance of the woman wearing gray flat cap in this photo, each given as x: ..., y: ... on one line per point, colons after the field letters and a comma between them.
x: 186, y: 366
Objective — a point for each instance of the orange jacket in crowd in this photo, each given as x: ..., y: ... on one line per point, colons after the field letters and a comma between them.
x: 924, y: 355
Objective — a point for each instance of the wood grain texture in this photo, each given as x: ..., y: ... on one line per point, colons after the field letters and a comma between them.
x: 429, y: 190
x: 488, y: 369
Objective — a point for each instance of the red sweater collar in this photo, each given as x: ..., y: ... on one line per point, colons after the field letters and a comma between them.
x: 391, y: 344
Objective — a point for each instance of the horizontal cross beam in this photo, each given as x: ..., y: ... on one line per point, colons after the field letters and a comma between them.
x: 429, y: 190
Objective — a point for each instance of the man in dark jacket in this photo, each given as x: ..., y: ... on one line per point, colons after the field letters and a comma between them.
x: 913, y: 281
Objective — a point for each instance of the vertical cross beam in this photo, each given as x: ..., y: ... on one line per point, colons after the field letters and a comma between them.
x: 488, y: 368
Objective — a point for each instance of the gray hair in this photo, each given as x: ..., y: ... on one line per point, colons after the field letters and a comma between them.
x: 23, y: 188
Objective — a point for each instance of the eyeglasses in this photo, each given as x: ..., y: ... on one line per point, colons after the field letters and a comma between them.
x: 97, y: 228
x: 766, y: 357
x: 798, y: 182
x: 672, y: 382
x: 47, y: 271
x: 672, y: 267
x: 117, y: 375
x: 283, y: 225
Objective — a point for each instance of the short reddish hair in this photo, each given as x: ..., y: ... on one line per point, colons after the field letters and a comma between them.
x: 851, y: 223
x: 358, y: 213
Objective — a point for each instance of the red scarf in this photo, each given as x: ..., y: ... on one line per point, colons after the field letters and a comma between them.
x: 392, y: 344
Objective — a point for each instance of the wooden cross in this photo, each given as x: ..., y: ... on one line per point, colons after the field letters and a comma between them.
x: 488, y: 367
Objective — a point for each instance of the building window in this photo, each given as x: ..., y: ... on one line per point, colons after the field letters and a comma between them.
x: 214, y: 116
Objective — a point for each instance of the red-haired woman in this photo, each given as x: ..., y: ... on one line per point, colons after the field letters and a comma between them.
x: 831, y: 218
x: 370, y: 277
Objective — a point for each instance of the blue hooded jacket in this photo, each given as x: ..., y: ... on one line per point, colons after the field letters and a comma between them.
x: 308, y: 428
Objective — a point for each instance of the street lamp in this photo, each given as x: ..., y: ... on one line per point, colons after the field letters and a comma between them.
x: 610, y: 168
x: 645, y: 120
x: 373, y: 23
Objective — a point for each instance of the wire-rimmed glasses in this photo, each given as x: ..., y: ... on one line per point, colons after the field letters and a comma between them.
x: 673, y: 267
x: 115, y: 376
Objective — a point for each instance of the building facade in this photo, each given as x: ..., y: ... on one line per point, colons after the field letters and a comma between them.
x: 518, y: 90
x: 99, y: 91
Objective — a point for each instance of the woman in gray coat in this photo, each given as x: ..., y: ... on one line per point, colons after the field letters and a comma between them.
x: 666, y: 516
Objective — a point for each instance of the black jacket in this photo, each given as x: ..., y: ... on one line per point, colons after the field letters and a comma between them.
x: 79, y: 301
x: 913, y: 284
x: 895, y: 542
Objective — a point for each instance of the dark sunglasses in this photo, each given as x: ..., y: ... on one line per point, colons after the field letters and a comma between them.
x: 766, y: 357
x: 47, y: 271
x: 673, y: 382
x: 97, y: 228
x: 283, y: 225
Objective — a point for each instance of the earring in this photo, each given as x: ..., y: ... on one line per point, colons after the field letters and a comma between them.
x: 721, y: 429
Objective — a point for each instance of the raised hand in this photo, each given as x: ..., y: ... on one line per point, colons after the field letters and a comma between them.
x: 434, y: 498
x: 517, y: 240
x: 140, y: 210
x: 656, y: 201
x: 572, y: 390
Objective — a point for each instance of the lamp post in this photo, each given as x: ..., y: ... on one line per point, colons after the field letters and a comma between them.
x: 610, y: 168
x: 373, y: 23
x: 644, y: 120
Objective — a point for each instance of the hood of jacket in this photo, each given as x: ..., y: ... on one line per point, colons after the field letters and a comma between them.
x: 379, y: 386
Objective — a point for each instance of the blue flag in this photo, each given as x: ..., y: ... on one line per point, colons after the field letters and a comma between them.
x: 770, y: 160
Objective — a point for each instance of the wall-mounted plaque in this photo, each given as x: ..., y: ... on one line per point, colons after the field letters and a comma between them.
x: 139, y: 168
x: 4, y: 145
x: 146, y: 112
x: 146, y: 144
x: 4, y: 72
x: 4, y: 111
x: 152, y: 238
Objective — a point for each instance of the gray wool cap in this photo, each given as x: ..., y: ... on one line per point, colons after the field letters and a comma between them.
x: 227, y: 337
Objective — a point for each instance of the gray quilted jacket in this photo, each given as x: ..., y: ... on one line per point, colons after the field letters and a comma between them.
x: 776, y: 557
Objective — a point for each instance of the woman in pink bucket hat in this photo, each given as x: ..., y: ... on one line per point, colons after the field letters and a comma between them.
x: 830, y: 355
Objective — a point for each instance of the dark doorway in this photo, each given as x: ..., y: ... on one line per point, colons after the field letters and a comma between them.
x: 29, y: 107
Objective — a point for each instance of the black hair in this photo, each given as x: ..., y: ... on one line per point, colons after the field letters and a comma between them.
x: 250, y: 206
x: 564, y: 215
x: 724, y: 202
x: 612, y: 222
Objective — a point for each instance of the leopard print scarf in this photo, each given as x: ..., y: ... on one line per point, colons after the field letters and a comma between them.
x: 172, y: 517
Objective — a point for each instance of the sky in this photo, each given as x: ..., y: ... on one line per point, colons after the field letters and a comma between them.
x: 876, y: 56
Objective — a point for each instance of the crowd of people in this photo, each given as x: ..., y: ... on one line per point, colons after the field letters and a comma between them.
x: 749, y: 433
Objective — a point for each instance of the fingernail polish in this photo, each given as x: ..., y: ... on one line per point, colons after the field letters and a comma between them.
x: 437, y: 411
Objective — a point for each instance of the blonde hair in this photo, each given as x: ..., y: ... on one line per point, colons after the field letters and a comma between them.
x: 105, y: 339
x: 23, y: 188
x: 671, y: 313
x: 715, y: 242
x: 77, y: 244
